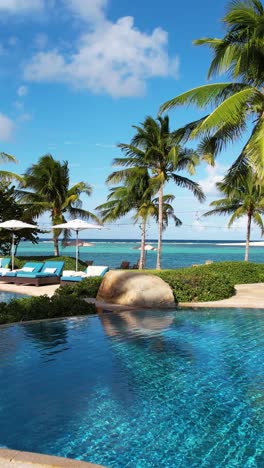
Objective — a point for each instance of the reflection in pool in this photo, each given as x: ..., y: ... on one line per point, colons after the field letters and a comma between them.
x: 146, y: 389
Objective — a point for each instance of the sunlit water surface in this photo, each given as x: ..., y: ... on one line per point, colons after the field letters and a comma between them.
x: 148, y: 389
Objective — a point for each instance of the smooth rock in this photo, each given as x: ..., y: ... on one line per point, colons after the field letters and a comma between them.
x: 135, y: 289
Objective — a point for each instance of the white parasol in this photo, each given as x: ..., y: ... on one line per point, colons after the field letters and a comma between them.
x: 77, y: 225
x: 14, y: 225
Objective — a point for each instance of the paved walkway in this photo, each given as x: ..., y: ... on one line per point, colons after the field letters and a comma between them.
x: 247, y: 295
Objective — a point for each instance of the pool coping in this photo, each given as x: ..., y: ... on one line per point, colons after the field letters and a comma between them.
x: 21, y: 459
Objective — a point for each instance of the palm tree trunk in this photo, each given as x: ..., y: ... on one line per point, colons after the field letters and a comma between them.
x: 142, y: 246
x: 248, y: 236
x: 56, y: 245
x: 158, y: 265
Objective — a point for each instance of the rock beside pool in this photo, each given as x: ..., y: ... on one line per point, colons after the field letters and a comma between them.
x: 135, y: 289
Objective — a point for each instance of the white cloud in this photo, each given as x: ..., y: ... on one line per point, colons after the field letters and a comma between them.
x: 22, y: 91
x: 20, y: 6
x: 89, y: 10
x: 7, y: 127
x: 105, y: 145
x: 112, y: 58
x: 215, y: 174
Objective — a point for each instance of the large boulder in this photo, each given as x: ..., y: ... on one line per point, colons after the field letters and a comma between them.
x: 132, y: 288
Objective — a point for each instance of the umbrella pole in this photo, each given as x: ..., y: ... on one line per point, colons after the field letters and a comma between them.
x: 13, y: 250
x: 77, y: 250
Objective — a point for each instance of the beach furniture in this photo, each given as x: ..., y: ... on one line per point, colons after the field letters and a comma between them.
x: 69, y: 276
x: 4, y: 265
x: 29, y: 267
x: 135, y: 266
x: 124, y: 265
x: 49, y: 274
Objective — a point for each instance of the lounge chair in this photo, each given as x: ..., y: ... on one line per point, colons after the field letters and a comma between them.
x: 29, y: 267
x: 4, y: 265
x: 124, y: 265
x: 49, y: 274
x: 69, y: 276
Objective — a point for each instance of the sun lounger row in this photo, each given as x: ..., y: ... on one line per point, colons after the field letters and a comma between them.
x: 50, y: 272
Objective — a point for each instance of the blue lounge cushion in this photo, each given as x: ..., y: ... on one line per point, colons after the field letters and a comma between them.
x: 35, y: 266
x: 57, y: 266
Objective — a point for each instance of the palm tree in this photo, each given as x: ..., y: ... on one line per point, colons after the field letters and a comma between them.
x: 237, y: 105
x: 157, y: 149
x: 245, y: 199
x: 48, y: 182
x: 124, y: 199
x: 134, y: 195
x: 7, y: 175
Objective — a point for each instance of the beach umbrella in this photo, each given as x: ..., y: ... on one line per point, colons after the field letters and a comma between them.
x: 147, y: 247
x: 14, y: 225
x: 77, y: 225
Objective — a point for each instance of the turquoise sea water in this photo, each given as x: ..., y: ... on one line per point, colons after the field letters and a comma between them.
x: 175, y: 254
x: 153, y: 389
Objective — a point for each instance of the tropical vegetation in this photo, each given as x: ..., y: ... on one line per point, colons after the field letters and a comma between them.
x: 238, y: 106
x: 244, y: 199
x: 10, y: 208
x: 46, y: 188
x: 43, y: 307
x: 156, y: 149
x: 136, y: 195
x: 7, y: 175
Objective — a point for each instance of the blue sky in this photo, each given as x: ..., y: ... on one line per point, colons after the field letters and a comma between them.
x: 77, y: 74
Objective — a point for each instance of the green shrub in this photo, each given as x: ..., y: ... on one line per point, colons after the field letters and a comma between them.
x: 44, y: 307
x: 88, y: 287
x: 194, y: 284
x: 238, y: 272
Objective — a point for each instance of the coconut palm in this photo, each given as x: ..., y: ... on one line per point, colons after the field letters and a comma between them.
x: 7, y: 175
x: 237, y: 106
x: 126, y: 198
x: 49, y: 187
x: 245, y: 199
x: 134, y: 195
x: 240, y: 52
x: 157, y: 149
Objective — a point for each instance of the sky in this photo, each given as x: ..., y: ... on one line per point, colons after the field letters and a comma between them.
x: 77, y: 74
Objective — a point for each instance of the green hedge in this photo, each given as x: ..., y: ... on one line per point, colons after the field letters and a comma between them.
x: 193, y: 284
x: 43, y: 307
x: 87, y: 287
x: 238, y: 272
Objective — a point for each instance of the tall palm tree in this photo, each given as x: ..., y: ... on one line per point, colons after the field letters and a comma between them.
x: 134, y: 195
x: 245, y: 199
x: 122, y: 200
x: 156, y: 148
x: 48, y: 182
x: 236, y: 105
x: 7, y: 175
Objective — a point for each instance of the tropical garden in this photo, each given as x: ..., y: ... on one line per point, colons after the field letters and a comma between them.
x: 158, y: 155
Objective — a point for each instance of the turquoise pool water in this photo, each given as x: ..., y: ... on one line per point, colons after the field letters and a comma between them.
x: 149, y: 389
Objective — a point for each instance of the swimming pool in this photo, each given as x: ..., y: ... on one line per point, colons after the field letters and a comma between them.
x: 148, y: 389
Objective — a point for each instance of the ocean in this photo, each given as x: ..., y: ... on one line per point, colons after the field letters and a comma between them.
x: 175, y: 253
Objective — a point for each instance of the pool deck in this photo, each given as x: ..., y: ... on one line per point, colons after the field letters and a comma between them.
x: 247, y: 296
x: 17, y: 459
